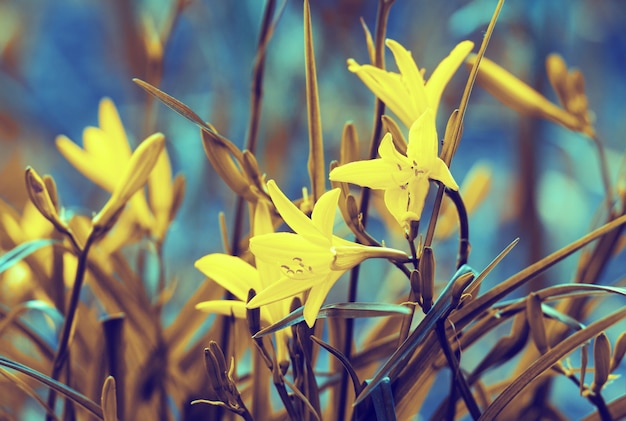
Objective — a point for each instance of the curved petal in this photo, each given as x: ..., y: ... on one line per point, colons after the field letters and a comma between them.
x: 262, y: 219
x: 292, y: 216
x: 423, y: 140
x: 161, y: 193
x: 397, y: 201
x: 439, y: 171
x: 284, y: 288
x: 388, y: 87
x: 224, y: 307
x: 323, y: 215
x: 317, y: 295
x: 414, y: 82
x: 444, y: 72
x: 231, y: 273
x: 110, y: 122
x: 373, y: 173
x: 293, y: 254
x: 95, y: 170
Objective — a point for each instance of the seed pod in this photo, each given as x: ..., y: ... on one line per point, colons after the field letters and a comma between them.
x: 427, y: 272
x: 619, y: 351
x: 602, y: 362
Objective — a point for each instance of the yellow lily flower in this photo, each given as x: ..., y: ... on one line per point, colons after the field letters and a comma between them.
x: 406, y: 93
x: 238, y: 277
x: 405, y: 179
x: 103, y: 160
x: 312, y: 258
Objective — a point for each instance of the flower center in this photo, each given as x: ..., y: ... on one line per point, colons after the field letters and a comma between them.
x: 297, y: 269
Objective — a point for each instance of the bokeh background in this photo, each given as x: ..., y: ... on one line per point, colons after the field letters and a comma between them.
x: 58, y: 59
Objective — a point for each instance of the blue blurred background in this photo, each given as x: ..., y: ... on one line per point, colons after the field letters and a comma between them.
x: 58, y: 59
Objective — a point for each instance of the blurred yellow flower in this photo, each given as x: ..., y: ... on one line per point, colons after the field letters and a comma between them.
x: 104, y: 158
x: 405, y: 179
x: 406, y: 93
x: 238, y: 277
x: 312, y: 257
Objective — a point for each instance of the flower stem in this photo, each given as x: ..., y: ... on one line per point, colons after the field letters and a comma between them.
x: 382, y: 15
x: 62, y: 352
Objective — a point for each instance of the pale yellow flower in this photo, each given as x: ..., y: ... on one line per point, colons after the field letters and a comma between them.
x: 312, y: 258
x: 103, y: 159
x: 406, y: 93
x: 238, y: 277
x: 405, y: 179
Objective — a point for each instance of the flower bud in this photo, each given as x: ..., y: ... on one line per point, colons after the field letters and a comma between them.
x: 602, y: 362
x: 135, y: 176
x: 44, y: 199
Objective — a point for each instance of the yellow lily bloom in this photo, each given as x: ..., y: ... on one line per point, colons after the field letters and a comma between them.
x: 406, y: 93
x: 312, y: 258
x: 103, y: 159
x: 405, y: 179
x: 238, y: 277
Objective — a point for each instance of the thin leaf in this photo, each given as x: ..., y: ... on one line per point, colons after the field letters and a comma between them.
x: 477, y: 306
x: 317, y: 168
x: 446, y: 302
x: 547, y: 360
x: 21, y: 384
x: 356, y: 383
x: 11, y: 257
x: 342, y: 310
x: 68, y: 392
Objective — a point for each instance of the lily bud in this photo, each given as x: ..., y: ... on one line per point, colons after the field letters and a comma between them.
x: 44, y: 199
x: 390, y: 125
x: 427, y: 272
x: 349, y: 144
x: 602, y: 362
x: 619, y: 351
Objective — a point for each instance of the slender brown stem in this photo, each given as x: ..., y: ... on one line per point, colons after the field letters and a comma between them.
x: 382, y: 15
x: 62, y: 352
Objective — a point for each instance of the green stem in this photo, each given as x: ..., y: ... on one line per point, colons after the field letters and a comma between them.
x: 382, y: 15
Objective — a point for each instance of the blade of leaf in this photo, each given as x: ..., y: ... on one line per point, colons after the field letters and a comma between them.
x: 20, y: 383
x: 317, y: 169
x: 477, y: 306
x: 547, y: 360
x: 13, y: 256
x: 446, y: 302
x: 343, y: 310
x: 68, y: 392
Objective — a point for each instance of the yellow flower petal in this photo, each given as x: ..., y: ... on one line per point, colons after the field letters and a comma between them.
x: 296, y: 220
x: 444, y: 72
x: 134, y: 177
x: 231, y: 273
x: 387, y: 86
x: 316, y: 298
x: 296, y: 256
x: 440, y: 172
x: 111, y: 124
x: 423, y: 146
x: 284, y: 288
x: 95, y: 170
x: 323, y: 215
x: 224, y: 307
x: 411, y: 76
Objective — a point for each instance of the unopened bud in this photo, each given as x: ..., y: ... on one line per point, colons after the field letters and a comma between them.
x: 43, y: 199
x: 602, y: 362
